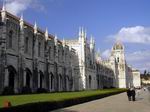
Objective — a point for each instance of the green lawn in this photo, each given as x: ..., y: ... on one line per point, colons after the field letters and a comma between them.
x: 23, y: 99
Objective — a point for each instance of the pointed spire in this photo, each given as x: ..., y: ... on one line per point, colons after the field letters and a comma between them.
x: 80, y: 34
x: 3, y: 13
x: 35, y: 25
x: 98, y: 55
x: 46, y: 34
x: 79, y: 31
x: 21, y: 22
x: 21, y: 18
x: 85, y: 34
x: 3, y: 7
x: 35, y: 28
x: 82, y: 31
x: 98, y: 52
x: 91, y: 40
x: 63, y: 42
x: 55, y: 40
x: 56, y: 37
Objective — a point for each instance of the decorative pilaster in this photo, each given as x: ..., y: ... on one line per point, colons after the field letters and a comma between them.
x: 21, y: 62
x: 3, y: 58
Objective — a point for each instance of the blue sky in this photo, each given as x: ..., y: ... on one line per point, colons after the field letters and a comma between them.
x: 106, y: 20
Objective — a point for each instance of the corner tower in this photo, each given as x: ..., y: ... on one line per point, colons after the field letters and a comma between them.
x: 120, y: 71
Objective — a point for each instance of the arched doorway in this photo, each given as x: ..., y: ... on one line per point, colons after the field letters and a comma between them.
x: 41, y: 79
x: 11, y: 76
x: 67, y: 83
x: 28, y: 78
x: 51, y: 81
x: 60, y: 82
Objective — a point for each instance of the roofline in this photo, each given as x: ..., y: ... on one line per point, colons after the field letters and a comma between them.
x: 30, y: 25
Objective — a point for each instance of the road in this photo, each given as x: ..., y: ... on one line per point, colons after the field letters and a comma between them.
x: 115, y: 103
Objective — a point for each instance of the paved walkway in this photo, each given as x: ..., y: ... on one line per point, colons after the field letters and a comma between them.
x: 116, y: 103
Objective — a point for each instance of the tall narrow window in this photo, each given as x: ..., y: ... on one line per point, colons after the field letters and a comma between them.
x: 26, y: 44
x: 49, y: 52
x: 52, y: 79
x: 39, y: 49
x: 118, y: 59
x: 90, y: 80
x: 10, y: 39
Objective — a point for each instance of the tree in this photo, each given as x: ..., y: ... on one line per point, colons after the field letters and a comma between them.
x: 145, y: 72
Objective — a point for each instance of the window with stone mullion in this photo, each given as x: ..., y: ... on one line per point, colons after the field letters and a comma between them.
x: 26, y: 44
x: 10, y: 40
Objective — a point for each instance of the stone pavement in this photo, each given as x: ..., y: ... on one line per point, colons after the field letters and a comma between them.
x: 116, y: 103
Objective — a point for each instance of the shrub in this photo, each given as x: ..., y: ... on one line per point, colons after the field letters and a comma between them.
x: 26, y: 90
x: 41, y: 90
x: 105, y: 87
x: 8, y: 91
x: 46, y: 106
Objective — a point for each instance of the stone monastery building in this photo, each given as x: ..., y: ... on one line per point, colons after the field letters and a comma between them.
x: 32, y: 58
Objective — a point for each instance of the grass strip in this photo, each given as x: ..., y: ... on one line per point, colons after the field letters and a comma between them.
x: 53, y: 97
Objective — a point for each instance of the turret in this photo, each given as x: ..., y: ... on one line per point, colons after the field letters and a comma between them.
x: 120, y: 67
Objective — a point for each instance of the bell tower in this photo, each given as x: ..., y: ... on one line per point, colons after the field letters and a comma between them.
x: 119, y: 58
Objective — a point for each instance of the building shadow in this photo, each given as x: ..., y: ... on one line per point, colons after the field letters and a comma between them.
x: 64, y: 110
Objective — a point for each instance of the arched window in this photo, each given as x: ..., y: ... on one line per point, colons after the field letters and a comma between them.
x: 41, y: 79
x: 39, y: 49
x: 11, y: 76
x: 26, y: 44
x: 10, y: 39
x: 52, y: 81
x: 60, y: 82
x: 28, y: 80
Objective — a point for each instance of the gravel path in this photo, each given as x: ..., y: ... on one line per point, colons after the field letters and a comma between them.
x: 116, y: 103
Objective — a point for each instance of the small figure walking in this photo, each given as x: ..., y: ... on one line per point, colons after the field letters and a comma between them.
x: 129, y: 94
x: 133, y: 94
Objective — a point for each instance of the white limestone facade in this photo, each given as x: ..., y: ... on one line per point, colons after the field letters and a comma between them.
x: 136, y: 78
x: 120, y: 70
x: 124, y: 76
x: 86, y: 57
x: 32, y: 59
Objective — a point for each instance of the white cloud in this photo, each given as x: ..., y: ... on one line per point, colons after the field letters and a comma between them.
x: 106, y: 53
x: 139, y: 59
x: 137, y: 34
x: 18, y: 6
x: 138, y: 55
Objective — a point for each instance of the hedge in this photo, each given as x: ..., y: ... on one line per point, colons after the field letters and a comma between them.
x: 46, y: 106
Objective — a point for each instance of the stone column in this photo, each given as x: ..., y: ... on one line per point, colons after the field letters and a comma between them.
x: 24, y: 78
x: 6, y: 78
